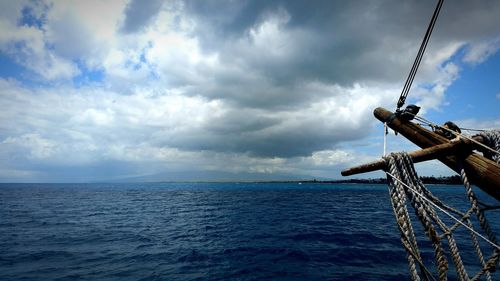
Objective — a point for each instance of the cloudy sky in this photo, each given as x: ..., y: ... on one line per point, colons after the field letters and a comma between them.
x: 176, y: 90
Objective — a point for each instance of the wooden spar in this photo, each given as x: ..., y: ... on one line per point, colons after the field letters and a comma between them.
x: 482, y: 172
x: 426, y: 154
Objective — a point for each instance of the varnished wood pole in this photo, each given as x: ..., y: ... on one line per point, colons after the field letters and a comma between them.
x: 481, y: 171
x: 417, y: 156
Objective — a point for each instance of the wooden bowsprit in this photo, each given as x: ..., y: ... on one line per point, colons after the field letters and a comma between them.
x: 456, y: 154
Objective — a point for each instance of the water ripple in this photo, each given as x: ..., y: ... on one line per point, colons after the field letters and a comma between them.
x: 175, y: 231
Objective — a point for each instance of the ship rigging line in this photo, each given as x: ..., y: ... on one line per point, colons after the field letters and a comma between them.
x: 445, y: 212
x: 420, y: 54
x: 432, y: 125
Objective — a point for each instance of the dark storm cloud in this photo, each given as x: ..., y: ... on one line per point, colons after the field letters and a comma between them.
x: 327, y: 43
x: 340, y: 42
x: 139, y: 14
x: 251, y: 132
x: 299, y: 140
x: 332, y: 41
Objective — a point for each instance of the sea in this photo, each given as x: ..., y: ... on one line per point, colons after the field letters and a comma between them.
x: 207, y: 231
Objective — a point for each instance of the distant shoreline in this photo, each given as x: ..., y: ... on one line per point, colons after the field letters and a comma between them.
x: 452, y: 180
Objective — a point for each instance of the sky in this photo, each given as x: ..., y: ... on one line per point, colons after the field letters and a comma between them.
x: 127, y: 90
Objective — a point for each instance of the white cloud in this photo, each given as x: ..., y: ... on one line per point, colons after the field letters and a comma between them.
x: 330, y: 157
x: 10, y: 11
x: 84, y: 29
x: 270, y: 38
x: 27, y: 45
x: 479, y: 52
x: 491, y: 124
x: 175, y: 58
x: 434, y: 97
x: 37, y: 146
x: 90, y: 125
x: 19, y: 175
x: 92, y: 120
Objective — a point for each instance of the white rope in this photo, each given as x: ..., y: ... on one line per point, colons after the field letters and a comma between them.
x: 445, y: 212
x: 473, y: 130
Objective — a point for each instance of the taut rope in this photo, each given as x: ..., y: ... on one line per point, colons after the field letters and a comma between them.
x: 491, y: 137
x: 420, y: 54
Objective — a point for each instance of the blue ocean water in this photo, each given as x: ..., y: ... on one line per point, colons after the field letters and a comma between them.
x: 202, y: 231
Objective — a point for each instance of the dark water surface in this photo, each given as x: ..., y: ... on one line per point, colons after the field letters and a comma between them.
x: 202, y: 231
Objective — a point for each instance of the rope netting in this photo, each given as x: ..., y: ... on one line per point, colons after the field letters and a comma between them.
x: 406, y: 189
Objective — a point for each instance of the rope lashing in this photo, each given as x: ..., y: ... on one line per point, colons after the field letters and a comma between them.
x: 489, y: 147
x: 492, y: 137
x: 406, y: 189
x: 492, y: 140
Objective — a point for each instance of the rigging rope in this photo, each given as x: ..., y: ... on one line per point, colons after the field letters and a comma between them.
x: 406, y: 188
x: 470, y: 129
x: 492, y: 139
x: 420, y: 54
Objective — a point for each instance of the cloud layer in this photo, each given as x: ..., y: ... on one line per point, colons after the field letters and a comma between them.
x: 116, y: 89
